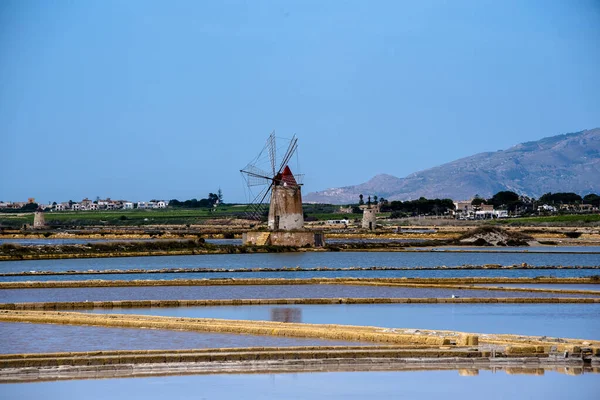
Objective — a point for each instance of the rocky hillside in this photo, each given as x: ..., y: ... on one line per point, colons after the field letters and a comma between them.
x: 563, y: 163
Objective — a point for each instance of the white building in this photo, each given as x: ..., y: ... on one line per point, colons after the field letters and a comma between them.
x: 338, y: 222
x: 501, y: 213
x: 104, y: 203
x: 546, y: 208
x: 128, y: 205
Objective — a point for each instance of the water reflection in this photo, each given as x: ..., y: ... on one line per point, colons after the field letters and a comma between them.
x: 286, y: 314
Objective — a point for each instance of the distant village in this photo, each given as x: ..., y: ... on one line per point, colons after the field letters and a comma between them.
x: 88, y: 205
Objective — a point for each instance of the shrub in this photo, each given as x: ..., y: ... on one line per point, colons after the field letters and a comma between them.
x: 516, y: 242
x: 572, y: 235
x: 481, y: 242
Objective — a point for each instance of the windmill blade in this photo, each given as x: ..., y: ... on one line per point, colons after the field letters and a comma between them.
x: 255, y: 176
x: 289, y: 153
x: 261, y: 159
x: 271, y: 144
x: 257, y: 207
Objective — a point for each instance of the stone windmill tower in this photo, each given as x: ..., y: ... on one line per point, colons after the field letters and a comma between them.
x: 284, y: 190
x: 285, y: 209
x: 39, y: 221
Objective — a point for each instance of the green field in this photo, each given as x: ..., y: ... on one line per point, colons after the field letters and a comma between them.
x: 169, y: 216
x: 572, y: 219
x: 126, y: 217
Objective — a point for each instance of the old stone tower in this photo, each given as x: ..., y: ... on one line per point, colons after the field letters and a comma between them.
x: 39, y: 221
x: 369, y: 220
x: 285, y: 211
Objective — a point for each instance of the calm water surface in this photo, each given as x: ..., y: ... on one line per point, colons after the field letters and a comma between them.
x: 246, y: 292
x: 305, y: 260
x: 567, y: 286
x: 310, y: 260
x: 310, y: 274
x: 44, y: 338
x: 533, y: 249
x: 448, y: 385
x: 557, y: 320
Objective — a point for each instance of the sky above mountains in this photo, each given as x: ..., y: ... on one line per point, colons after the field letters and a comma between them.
x: 562, y: 163
x: 152, y: 99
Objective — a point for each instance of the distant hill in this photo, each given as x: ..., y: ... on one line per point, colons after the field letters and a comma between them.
x: 563, y: 163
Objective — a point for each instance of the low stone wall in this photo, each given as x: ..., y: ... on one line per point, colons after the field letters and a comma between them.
x: 293, y: 269
x: 274, y: 354
x: 298, y: 239
x: 253, y: 302
x: 282, y: 281
x: 518, y: 344
x: 322, y: 331
x: 281, y: 238
x: 473, y: 287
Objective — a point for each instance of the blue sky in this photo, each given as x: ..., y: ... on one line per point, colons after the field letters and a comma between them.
x: 169, y: 99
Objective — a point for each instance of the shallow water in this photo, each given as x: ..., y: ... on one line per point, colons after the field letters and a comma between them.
x: 50, y: 338
x: 560, y: 273
x: 557, y: 320
x: 527, y: 249
x: 246, y: 292
x: 308, y: 260
x: 562, y: 286
x: 448, y: 385
x: 305, y: 260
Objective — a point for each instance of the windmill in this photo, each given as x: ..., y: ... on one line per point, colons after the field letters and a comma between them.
x: 271, y: 183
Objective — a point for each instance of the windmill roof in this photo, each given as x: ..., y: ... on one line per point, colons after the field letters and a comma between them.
x: 286, y: 177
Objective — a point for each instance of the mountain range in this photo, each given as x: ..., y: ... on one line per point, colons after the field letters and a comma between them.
x: 563, y: 163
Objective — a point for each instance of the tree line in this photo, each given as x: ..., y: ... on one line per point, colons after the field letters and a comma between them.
x: 507, y: 200
x: 512, y: 201
x: 418, y: 207
x: 570, y: 198
x: 210, y: 201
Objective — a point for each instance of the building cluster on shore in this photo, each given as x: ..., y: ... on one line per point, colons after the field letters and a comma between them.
x: 89, y: 205
x: 467, y: 210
